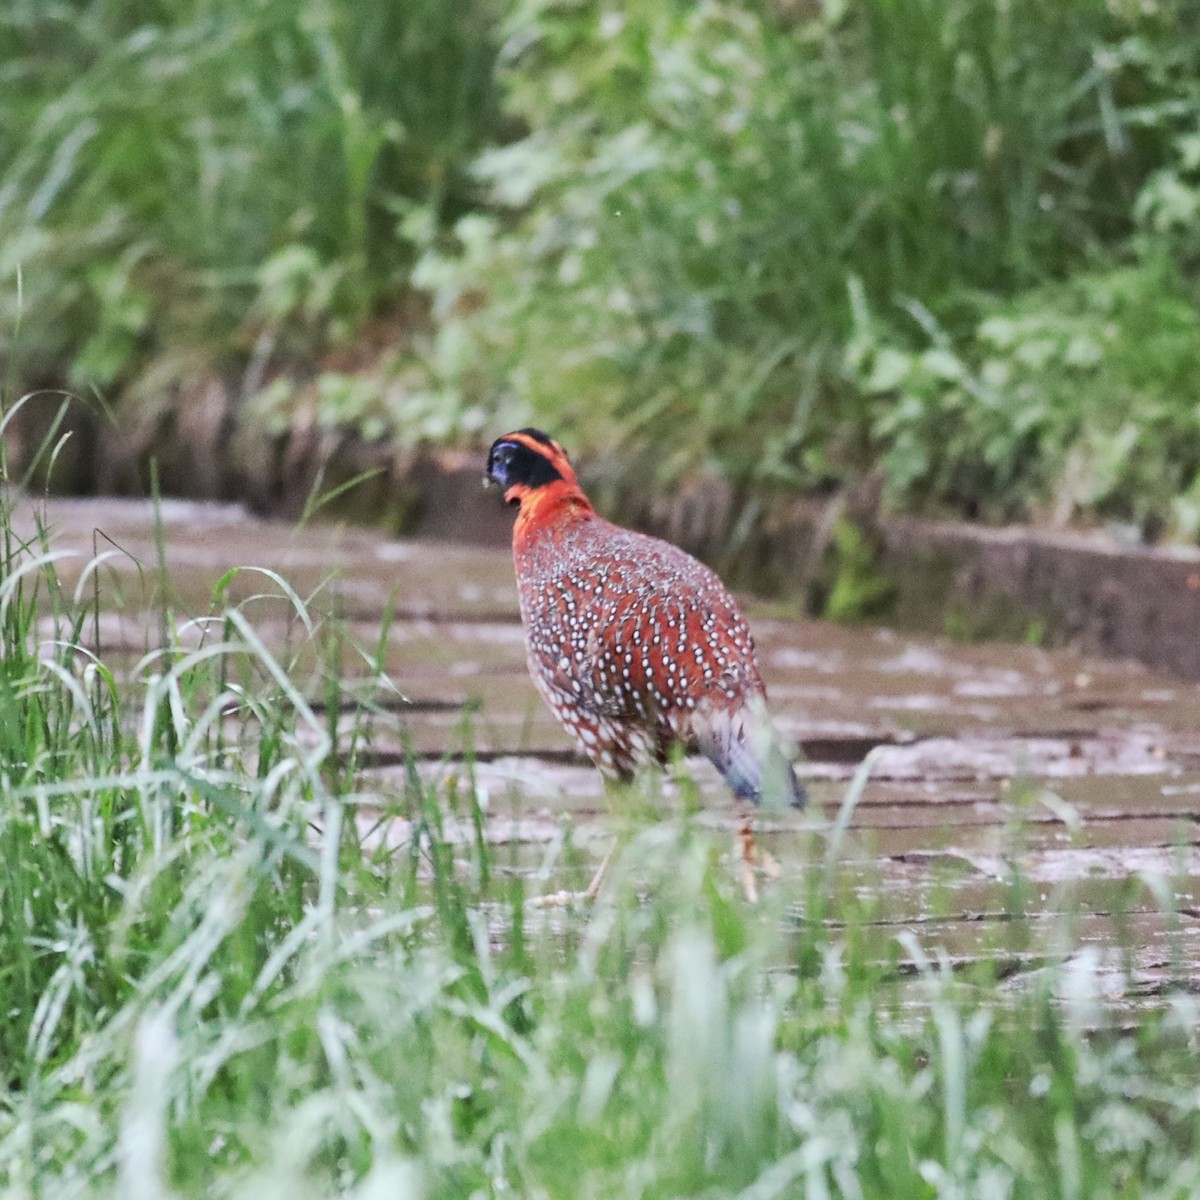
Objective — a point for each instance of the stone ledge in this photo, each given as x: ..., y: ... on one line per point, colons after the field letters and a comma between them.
x: 1083, y: 590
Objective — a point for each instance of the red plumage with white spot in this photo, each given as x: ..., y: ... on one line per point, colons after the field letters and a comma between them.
x: 635, y: 645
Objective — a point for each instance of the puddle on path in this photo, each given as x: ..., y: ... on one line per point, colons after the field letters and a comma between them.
x: 1003, y: 766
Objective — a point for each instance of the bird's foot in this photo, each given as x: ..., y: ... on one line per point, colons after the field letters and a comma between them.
x: 753, y: 858
x: 749, y: 882
x: 565, y: 898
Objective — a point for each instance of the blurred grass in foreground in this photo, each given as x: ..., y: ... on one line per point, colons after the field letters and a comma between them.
x: 218, y: 983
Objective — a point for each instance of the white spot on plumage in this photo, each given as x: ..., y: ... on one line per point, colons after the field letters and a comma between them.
x: 628, y: 636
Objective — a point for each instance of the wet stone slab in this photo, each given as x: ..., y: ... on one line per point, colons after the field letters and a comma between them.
x: 1000, y: 768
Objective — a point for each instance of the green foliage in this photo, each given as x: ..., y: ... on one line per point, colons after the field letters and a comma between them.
x: 170, y: 169
x: 859, y: 590
x: 1074, y: 398
x: 700, y: 182
x: 389, y: 401
x: 708, y: 235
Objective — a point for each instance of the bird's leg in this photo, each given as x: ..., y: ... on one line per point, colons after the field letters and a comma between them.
x: 770, y: 865
x: 747, y: 848
x: 752, y: 855
x: 593, y: 888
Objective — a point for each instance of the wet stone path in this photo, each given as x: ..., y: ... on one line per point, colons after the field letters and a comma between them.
x: 998, y: 766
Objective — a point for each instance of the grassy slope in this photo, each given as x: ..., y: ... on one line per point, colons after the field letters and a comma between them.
x: 776, y: 242
x: 186, y: 177
x: 951, y: 239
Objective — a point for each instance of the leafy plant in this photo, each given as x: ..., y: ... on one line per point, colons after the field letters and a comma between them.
x: 1072, y: 400
x: 699, y: 183
x: 173, y: 174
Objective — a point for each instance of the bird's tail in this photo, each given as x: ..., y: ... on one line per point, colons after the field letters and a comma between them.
x: 744, y: 746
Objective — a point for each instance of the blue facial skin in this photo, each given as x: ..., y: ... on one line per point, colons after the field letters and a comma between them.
x: 513, y: 463
x: 499, y: 463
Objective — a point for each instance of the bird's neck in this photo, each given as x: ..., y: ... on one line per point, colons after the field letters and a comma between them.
x: 553, y: 507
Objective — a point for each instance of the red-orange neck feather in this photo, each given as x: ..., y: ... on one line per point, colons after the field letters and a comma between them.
x: 550, y: 506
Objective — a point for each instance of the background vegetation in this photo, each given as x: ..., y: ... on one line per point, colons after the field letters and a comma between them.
x: 784, y: 243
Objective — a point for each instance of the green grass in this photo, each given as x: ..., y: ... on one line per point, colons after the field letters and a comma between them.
x: 708, y: 195
x: 953, y: 244
x: 216, y: 983
x: 679, y: 235
x: 181, y: 180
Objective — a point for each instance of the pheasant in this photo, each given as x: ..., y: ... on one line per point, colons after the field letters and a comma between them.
x: 636, y: 646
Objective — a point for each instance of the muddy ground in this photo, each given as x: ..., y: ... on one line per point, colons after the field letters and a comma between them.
x: 1013, y: 785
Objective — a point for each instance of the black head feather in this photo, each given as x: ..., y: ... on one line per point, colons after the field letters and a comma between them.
x: 513, y: 462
